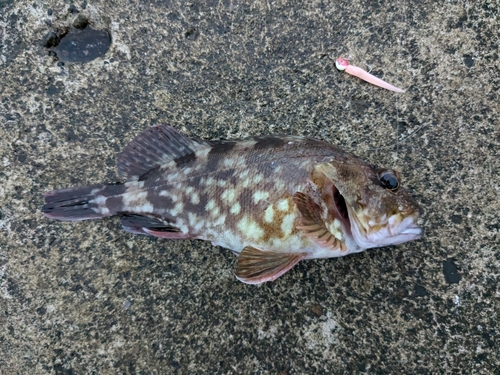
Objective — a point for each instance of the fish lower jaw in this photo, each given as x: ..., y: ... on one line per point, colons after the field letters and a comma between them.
x: 386, y: 235
x: 410, y: 233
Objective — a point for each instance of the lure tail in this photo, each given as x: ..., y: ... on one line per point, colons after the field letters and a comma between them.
x: 81, y: 203
x: 370, y: 78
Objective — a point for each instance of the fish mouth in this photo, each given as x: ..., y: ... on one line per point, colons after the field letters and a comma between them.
x: 402, y: 234
x: 394, y: 231
x: 407, y: 230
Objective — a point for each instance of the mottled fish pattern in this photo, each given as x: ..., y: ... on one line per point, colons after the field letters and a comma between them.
x: 274, y: 200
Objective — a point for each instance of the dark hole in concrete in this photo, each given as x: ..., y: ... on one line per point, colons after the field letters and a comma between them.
x: 80, y: 22
x: 450, y: 272
x: 51, y: 39
x: 420, y: 291
x: 192, y: 33
x: 469, y: 61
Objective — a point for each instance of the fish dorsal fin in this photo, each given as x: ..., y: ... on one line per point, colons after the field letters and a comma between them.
x: 312, y: 225
x: 155, y: 146
x: 257, y: 266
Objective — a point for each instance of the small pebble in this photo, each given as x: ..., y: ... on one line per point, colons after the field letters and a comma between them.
x: 72, y: 9
x: 317, y: 310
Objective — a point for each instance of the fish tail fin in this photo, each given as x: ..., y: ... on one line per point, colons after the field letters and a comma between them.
x: 81, y: 203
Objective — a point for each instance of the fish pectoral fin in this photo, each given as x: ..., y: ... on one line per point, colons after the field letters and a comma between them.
x: 312, y: 225
x: 257, y: 266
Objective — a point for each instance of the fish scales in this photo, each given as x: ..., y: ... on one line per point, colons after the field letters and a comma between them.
x: 230, y: 189
x: 274, y: 199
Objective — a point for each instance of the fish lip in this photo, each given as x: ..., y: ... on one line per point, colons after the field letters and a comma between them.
x: 413, y: 230
x: 409, y: 226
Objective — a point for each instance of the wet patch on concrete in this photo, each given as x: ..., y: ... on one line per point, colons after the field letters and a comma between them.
x: 78, y: 41
x: 81, y: 46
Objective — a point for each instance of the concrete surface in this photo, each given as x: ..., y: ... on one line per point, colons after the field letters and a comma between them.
x: 88, y: 298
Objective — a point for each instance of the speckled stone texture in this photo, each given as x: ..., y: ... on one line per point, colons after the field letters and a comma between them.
x: 88, y: 298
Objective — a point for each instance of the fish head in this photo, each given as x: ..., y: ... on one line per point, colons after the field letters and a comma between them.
x: 375, y: 209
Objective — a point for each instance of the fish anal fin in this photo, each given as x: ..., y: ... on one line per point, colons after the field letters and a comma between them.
x: 169, y: 235
x: 154, y: 147
x: 312, y: 225
x: 152, y: 225
x: 256, y: 266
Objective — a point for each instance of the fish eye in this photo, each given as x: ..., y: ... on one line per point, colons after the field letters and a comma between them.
x: 389, y: 181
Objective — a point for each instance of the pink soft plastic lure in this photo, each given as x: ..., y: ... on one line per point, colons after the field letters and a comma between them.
x: 343, y: 64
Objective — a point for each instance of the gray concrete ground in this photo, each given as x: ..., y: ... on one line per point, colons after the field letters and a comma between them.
x: 88, y: 298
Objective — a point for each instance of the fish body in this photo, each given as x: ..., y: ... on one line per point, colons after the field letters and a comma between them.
x: 274, y: 200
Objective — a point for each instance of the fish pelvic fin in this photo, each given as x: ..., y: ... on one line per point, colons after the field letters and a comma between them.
x: 256, y: 266
x: 312, y: 225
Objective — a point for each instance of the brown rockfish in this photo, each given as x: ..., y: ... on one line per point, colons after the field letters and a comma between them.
x: 274, y: 200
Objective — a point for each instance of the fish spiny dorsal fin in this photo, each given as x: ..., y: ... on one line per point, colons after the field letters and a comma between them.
x: 257, y: 266
x: 155, y: 146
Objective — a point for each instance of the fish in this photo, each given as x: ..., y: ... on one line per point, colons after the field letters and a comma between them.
x: 273, y: 200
